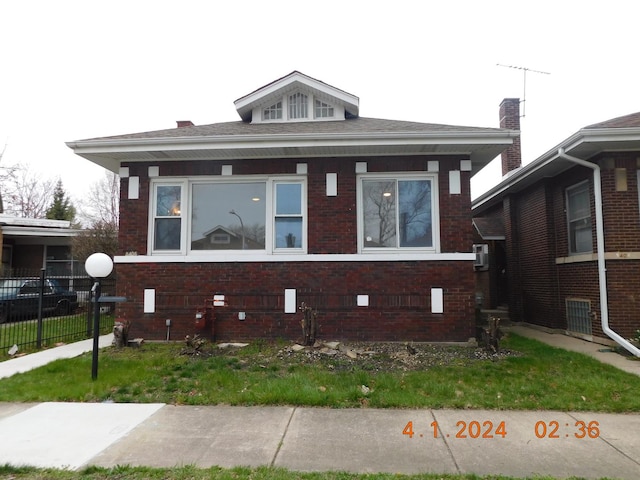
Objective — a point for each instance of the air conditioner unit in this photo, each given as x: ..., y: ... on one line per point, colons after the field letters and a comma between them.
x: 482, y: 256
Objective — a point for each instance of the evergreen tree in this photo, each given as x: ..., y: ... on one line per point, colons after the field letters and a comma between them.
x: 61, y: 208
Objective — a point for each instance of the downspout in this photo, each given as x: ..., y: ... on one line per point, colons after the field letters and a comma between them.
x: 602, y: 271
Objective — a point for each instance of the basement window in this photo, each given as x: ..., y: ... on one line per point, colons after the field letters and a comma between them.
x: 578, y: 315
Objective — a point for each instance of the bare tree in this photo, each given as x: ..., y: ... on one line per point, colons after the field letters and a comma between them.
x: 103, y: 201
x: 380, y: 211
x: 100, y: 237
x: 24, y: 193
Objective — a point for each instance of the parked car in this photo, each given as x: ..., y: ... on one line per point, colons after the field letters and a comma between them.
x: 19, y: 298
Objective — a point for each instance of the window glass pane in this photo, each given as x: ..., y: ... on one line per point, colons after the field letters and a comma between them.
x: 167, y: 234
x: 58, y: 252
x: 168, y: 200
x: 288, y: 199
x: 579, y: 203
x: 415, y: 213
x: 228, y: 216
x: 288, y: 232
x: 298, y: 106
x: 581, y: 239
x: 379, y: 208
x: 323, y: 109
x: 579, y: 216
x: 273, y: 112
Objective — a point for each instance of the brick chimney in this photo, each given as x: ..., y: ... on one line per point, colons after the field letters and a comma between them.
x: 185, y: 123
x: 510, y: 118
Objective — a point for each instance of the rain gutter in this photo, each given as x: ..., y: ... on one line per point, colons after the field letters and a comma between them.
x: 602, y: 270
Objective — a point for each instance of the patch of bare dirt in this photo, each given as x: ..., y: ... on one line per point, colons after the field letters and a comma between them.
x: 370, y: 356
x: 390, y: 356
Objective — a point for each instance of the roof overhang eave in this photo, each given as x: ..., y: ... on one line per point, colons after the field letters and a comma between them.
x: 22, y: 231
x: 481, y: 146
x: 585, y: 144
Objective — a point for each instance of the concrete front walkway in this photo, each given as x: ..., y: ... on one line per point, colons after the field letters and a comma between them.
x: 38, y: 359
x: 600, y: 352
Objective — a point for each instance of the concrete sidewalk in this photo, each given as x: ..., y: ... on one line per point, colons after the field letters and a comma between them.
x: 519, y: 444
x: 484, y: 442
x: 38, y: 359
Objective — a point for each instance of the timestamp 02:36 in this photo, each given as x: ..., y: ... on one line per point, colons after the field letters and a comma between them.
x: 487, y: 429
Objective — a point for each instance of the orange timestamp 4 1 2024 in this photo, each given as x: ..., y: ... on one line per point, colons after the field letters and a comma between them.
x: 489, y: 429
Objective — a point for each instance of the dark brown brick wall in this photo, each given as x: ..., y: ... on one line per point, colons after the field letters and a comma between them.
x: 536, y: 230
x: 536, y: 265
x: 399, y: 296
x: 400, y: 307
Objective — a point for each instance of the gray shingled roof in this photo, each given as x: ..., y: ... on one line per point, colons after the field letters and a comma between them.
x: 615, y: 134
x: 359, y: 125
x: 490, y: 228
x: 626, y: 121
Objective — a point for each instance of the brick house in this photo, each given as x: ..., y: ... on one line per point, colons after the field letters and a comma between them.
x: 302, y: 200
x: 562, y: 234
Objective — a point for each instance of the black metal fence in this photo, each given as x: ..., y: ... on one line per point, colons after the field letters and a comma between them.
x: 38, y: 311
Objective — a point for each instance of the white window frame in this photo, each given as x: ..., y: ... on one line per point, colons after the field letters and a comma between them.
x: 322, y: 107
x: 152, y: 216
x: 186, y: 185
x: 223, y: 239
x: 262, y: 113
x: 579, y: 186
x: 273, y: 112
x: 435, y: 211
x: 302, y: 215
x: 299, y: 108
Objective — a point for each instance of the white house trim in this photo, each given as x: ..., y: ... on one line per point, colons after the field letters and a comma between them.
x: 262, y: 258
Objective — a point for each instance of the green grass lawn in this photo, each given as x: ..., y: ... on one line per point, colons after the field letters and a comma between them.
x: 69, y: 328
x: 541, y: 378
x: 216, y: 473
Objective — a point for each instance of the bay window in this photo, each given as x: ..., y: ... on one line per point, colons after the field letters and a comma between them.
x: 398, y: 212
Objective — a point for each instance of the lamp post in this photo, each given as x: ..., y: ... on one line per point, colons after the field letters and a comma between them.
x: 98, y: 266
x: 233, y: 212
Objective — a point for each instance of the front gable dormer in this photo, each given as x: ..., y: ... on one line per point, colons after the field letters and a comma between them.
x: 297, y: 98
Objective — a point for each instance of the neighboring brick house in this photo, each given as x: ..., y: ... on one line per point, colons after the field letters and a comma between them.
x: 366, y: 220
x: 548, y: 210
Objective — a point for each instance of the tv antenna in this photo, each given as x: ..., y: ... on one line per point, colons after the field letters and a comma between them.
x: 524, y: 90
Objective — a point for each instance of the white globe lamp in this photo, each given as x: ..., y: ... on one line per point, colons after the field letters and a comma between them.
x: 98, y: 265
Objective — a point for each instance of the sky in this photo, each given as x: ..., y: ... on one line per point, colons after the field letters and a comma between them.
x: 72, y: 70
